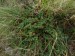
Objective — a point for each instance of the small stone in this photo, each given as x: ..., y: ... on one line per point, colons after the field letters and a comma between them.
x: 9, y: 50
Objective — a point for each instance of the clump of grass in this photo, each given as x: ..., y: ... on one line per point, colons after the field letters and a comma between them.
x: 41, y: 29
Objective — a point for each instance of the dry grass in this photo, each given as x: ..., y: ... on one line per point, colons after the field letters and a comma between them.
x: 40, y: 28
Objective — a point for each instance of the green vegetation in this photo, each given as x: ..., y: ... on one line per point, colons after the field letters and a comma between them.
x: 37, y: 28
